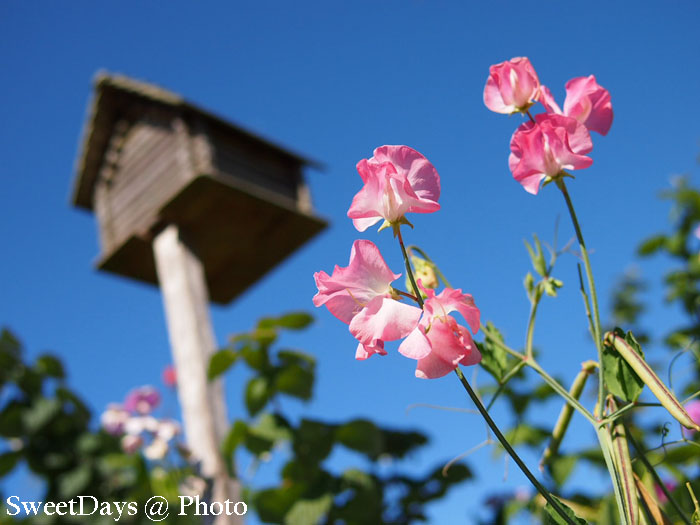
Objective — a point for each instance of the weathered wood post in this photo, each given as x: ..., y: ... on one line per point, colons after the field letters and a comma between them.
x: 193, y: 204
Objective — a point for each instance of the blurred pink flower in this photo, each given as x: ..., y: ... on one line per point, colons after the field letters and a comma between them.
x: 693, y: 409
x: 114, y: 418
x: 397, y: 180
x: 169, y: 376
x: 142, y: 400
x: 361, y: 295
x: 586, y: 101
x: 670, y: 486
x: 512, y: 86
x: 547, y: 147
x: 131, y: 444
x: 439, y: 343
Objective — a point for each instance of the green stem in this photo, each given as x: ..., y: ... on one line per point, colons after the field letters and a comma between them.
x: 504, y: 381
x: 491, y: 423
x: 531, y: 325
x: 563, y: 392
x: 419, y: 298
x: 654, y: 474
x: 591, y: 286
x: 606, y: 446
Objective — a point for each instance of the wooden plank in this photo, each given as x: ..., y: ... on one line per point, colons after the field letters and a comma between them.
x: 186, y: 301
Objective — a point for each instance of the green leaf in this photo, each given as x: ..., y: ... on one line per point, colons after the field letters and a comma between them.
x: 75, y: 482
x: 272, y: 427
x: 273, y: 504
x: 235, y: 437
x: 295, y: 320
x: 537, y: 257
x: 620, y: 378
x: 493, y: 358
x: 561, y: 468
x: 40, y: 414
x: 313, y: 441
x: 220, y: 362
x: 524, y: 434
x: 553, y: 517
x: 8, y: 461
x: 309, y: 511
x: 652, y: 245
x: 361, y: 435
x: 257, y: 394
x: 295, y: 381
x: 50, y: 365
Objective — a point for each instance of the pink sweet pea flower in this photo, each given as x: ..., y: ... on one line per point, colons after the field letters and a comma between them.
x: 512, y: 86
x: 547, y: 147
x: 114, y: 418
x: 142, y: 400
x: 693, y: 410
x: 361, y: 295
x: 586, y: 101
x: 439, y: 343
x: 397, y: 180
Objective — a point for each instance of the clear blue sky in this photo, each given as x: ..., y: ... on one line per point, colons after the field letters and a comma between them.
x: 334, y: 80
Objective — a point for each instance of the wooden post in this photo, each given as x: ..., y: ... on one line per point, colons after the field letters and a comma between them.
x: 186, y: 301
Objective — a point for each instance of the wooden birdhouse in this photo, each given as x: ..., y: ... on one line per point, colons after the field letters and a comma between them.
x: 151, y: 159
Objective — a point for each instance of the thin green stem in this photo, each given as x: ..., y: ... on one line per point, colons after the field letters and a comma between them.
x: 591, y: 286
x: 415, y: 248
x: 529, y: 475
x: 495, y: 340
x: 504, y: 381
x: 531, y: 325
x: 411, y: 278
x: 563, y: 392
x: 606, y: 446
x: 655, y: 475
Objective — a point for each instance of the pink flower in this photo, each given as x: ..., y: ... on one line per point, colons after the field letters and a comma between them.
x: 586, y: 101
x: 142, y: 400
x: 512, y: 86
x: 131, y: 444
x: 114, y: 418
x: 670, y: 486
x: 693, y: 410
x: 361, y: 295
x: 439, y: 343
x: 169, y: 376
x: 545, y: 148
x: 397, y: 180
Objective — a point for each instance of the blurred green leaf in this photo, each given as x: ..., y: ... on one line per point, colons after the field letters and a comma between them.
x: 42, y: 411
x: 50, y: 365
x: 313, y: 441
x: 220, y: 362
x: 652, y: 245
x: 361, y: 435
x: 8, y: 461
x: 553, y: 517
x: 493, y: 358
x: 309, y: 511
x: 295, y: 380
x: 75, y: 482
x: 292, y: 321
x: 257, y: 394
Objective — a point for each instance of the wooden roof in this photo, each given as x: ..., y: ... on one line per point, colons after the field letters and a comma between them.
x: 115, y: 93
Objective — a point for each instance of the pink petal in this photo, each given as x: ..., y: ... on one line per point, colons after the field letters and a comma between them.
x: 366, y: 351
x: 589, y: 103
x: 386, y: 319
x: 450, y: 300
x: 547, y: 100
x: 416, y: 345
x: 350, y: 289
x: 432, y: 367
x: 420, y: 173
x: 511, y: 86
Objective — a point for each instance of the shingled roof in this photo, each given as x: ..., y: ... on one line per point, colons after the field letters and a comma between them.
x: 113, y: 94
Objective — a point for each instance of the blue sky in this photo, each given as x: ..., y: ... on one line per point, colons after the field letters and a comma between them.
x: 334, y: 80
